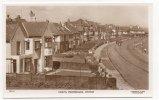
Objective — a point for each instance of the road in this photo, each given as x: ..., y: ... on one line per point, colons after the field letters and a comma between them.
x: 134, y: 71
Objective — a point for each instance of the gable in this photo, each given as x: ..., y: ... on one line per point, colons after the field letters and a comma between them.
x: 35, y: 29
x: 10, y: 31
x: 47, y: 31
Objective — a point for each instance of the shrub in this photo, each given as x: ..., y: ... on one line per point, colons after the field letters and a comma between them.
x: 8, y: 83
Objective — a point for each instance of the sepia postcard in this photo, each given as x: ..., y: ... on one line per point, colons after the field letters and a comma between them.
x: 77, y: 50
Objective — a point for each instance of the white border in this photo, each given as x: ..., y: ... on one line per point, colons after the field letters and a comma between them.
x: 109, y: 93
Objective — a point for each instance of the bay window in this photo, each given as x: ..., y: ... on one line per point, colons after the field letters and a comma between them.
x: 48, y: 42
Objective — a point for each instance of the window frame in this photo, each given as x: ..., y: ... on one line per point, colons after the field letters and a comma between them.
x: 35, y: 44
x: 48, y: 60
x: 27, y: 45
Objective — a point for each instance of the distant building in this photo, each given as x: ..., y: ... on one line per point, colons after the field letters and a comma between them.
x: 86, y: 28
x: 137, y: 31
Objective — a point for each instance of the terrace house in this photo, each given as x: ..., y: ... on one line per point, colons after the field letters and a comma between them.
x: 75, y: 32
x: 86, y: 29
x: 60, y: 37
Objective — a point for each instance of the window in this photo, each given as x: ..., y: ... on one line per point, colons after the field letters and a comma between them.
x: 18, y: 48
x: 37, y: 44
x: 48, y: 42
x: 48, y: 60
x: 27, y: 64
x: 27, y: 45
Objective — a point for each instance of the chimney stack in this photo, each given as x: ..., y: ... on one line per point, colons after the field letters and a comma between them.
x: 18, y: 17
x: 68, y: 20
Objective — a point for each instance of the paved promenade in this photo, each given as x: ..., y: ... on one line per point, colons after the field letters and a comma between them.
x: 121, y: 84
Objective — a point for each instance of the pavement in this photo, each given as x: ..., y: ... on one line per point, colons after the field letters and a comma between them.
x: 121, y: 83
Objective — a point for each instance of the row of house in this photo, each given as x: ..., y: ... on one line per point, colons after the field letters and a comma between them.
x: 31, y: 45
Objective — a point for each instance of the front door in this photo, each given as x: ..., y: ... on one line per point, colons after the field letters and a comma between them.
x: 14, y: 66
x: 35, y: 64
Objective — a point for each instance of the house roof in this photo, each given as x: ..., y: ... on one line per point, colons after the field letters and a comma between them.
x: 58, y: 29
x: 79, y: 28
x: 136, y: 28
x: 35, y: 28
x: 109, y: 30
x: 10, y: 30
x: 103, y: 29
x: 82, y: 23
x: 124, y: 28
x: 72, y: 28
x: 20, y: 20
x: 72, y: 22
x: 67, y: 31
x: 53, y: 29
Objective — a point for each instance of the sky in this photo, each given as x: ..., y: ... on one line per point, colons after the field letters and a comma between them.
x: 105, y: 14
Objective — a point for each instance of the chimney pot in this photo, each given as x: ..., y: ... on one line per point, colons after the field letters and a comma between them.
x: 8, y: 16
x: 18, y: 16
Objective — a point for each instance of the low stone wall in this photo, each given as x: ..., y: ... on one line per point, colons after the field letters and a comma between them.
x: 74, y: 66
